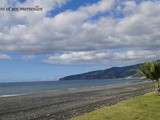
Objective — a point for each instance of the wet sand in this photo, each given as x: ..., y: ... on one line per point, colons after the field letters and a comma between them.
x: 65, y: 105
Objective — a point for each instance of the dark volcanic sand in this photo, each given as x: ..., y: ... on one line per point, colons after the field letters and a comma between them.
x: 63, y: 106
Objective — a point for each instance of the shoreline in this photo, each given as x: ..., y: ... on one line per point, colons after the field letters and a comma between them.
x: 65, y: 105
x: 74, y: 89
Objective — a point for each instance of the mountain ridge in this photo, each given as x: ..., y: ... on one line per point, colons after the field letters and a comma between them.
x: 110, y: 73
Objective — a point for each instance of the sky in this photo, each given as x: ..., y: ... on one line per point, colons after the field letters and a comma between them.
x: 75, y: 36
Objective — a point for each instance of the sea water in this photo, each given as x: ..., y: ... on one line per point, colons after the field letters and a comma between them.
x: 20, y: 88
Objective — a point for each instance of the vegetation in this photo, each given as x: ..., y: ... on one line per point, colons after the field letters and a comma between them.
x: 145, y: 107
x: 111, y: 73
x: 151, y: 70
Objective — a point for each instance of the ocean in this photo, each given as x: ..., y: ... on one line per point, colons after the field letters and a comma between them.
x: 21, y: 88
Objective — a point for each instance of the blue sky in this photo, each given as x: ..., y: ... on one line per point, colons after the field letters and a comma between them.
x: 20, y: 70
x: 70, y: 5
x: 33, y: 71
x: 76, y: 36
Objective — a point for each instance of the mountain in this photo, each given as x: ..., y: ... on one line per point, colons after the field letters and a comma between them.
x: 111, y: 73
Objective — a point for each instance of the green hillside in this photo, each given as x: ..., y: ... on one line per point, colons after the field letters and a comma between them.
x: 145, y: 107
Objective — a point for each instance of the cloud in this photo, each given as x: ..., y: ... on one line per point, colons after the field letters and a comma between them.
x: 77, y: 35
x: 102, y: 56
x: 76, y: 57
x: 4, y: 57
x: 42, y: 34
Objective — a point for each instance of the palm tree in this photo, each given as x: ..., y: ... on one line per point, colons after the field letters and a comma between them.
x: 156, y: 73
x: 151, y: 70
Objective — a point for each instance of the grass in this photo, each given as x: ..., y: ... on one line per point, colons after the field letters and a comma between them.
x: 145, y: 107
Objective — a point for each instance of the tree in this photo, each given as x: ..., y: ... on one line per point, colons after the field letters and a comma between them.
x: 151, y: 70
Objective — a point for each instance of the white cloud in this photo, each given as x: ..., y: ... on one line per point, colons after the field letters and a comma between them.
x: 137, y: 55
x: 77, y: 57
x: 41, y: 33
x: 103, y: 56
x: 75, y: 30
x: 101, y: 6
x: 4, y: 57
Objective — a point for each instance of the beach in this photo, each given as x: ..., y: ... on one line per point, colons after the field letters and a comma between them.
x: 65, y: 105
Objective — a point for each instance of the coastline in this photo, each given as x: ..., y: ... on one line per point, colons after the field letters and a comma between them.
x: 69, y: 89
x: 65, y: 105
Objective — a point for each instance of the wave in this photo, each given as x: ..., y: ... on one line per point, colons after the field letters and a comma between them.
x: 12, y: 95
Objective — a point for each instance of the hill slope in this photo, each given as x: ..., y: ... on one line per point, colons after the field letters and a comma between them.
x: 111, y: 73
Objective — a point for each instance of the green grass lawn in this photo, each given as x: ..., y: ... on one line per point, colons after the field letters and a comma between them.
x: 145, y: 107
